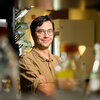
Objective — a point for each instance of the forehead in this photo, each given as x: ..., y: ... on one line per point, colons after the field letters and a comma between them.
x: 45, y: 25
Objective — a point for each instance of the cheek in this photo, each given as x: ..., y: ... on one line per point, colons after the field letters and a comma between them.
x: 39, y: 39
x: 52, y: 38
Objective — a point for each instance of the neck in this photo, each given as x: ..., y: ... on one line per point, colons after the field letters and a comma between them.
x: 43, y: 52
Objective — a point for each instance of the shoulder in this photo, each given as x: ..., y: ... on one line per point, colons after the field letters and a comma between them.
x: 55, y: 57
x: 26, y: 57
x: 26, y: 61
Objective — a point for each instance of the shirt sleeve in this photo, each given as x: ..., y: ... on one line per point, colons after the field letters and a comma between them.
x: 28, y: 75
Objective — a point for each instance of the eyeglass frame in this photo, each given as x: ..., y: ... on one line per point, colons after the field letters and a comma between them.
x: 43, y: 31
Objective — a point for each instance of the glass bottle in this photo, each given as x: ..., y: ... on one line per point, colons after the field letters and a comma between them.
x: 94, y: 83
x: 8, y: 66
x: 70, y: 75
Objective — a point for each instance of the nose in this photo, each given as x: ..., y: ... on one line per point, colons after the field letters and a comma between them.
x: 46, y: 33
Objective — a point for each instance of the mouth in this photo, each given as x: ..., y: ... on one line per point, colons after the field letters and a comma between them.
x: 45, y: 41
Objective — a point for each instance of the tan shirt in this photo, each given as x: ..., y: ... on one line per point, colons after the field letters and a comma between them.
x: 31, y: 65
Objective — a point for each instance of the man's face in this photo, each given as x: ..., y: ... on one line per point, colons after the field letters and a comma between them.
x: 44, y: 35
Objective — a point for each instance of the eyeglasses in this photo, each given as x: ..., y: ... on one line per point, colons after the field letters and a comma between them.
x: 42, y: 32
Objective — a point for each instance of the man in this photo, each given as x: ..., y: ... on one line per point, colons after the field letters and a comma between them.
x: 37, y: 73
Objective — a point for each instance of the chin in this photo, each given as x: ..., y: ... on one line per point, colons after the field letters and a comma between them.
x: 45, y: 46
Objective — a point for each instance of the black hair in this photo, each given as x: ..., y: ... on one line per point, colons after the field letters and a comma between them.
x: 38, y: 22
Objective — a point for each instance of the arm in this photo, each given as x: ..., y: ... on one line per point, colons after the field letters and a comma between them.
x: 45, y: 88
x: 28, y: 75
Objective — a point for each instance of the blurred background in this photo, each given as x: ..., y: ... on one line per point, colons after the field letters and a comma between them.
x: 77, y: 35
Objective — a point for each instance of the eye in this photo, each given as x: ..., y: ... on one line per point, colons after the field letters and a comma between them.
x: 40, y: 31
x: 50, y: 30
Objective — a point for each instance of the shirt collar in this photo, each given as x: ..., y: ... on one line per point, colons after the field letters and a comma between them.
x: 42, y: 58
